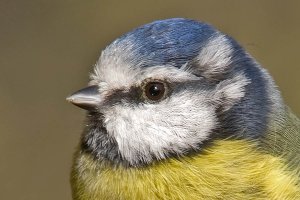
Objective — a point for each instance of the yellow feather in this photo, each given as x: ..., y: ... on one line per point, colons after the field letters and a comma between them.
x: 229, y: 169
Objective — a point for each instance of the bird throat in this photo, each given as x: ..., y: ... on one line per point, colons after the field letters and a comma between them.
x: 226, y: 164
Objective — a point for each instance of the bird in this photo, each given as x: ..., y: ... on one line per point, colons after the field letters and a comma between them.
x: 177, y: 109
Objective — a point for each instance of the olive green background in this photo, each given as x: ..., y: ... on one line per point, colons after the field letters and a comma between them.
x: 48, y: 48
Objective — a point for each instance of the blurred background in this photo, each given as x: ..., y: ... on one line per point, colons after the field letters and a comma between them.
x: 48, y: 48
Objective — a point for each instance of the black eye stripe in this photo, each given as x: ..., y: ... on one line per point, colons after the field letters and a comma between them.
x: 117, y: 96
x: 136, y: 94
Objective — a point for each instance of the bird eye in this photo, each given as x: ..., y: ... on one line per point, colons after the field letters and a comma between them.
x: 155, y: 90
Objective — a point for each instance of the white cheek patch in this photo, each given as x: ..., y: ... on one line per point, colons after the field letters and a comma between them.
x: 172, y: 126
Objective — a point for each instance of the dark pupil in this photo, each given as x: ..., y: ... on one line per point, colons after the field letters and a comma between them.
x: 155, y: 90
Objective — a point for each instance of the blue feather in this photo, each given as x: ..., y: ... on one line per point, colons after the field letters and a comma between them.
x: 166, y: 42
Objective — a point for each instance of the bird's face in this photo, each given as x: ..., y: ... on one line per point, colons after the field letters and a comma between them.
x: 159, y: 111
x: 141, y: 114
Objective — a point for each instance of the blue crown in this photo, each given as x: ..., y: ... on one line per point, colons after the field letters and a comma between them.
x: 166, y: 42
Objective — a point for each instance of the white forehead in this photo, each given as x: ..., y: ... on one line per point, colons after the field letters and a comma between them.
x: 113, y: 72
x: 114, y: 68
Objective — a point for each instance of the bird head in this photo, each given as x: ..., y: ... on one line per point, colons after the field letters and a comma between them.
x: 168, y: 88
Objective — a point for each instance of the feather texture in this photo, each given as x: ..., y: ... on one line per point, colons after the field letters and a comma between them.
x: 215, y: 90
x: 229, y: 169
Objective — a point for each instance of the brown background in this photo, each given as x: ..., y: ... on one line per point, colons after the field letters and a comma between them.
x: 48, y: 47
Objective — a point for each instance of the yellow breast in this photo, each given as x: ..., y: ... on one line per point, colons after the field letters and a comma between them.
x: 229, y: 169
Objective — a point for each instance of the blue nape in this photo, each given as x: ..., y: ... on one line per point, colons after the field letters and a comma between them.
x: 166, y: 42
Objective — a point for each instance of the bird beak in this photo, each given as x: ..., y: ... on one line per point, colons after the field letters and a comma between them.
x: 87, y: 98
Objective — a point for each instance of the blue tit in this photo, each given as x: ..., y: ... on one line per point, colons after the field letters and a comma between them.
x: 179, y: 110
